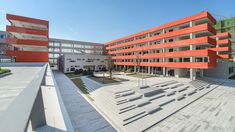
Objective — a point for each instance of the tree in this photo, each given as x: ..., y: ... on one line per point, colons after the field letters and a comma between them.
x: 110, y: 65
x: 137, y: 62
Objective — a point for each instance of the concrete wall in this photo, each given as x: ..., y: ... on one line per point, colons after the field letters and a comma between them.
x: 221, y: 70
x: 82, y: 61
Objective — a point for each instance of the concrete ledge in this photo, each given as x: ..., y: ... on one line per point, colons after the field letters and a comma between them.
x: 5, y: 74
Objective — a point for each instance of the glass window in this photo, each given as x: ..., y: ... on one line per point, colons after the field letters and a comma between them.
x: 67, y: 50
x: 66, y: 45
x: 56, y: 55
x: 50, y: 55
x: 56, y: 50
x: 78, y: 46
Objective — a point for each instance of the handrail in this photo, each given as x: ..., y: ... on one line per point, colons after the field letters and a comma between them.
x: 15, y: 118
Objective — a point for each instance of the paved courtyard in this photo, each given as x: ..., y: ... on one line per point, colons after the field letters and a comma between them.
x: 180, y: 105
x: 83, y: 116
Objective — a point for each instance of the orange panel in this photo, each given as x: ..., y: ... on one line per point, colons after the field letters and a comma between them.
x: 28, y: 56
x: 224, y: 41
x: 26, y: 42
x: 224, y: 34
x: 26, y: 30
x: 203, y: 65
x: 177, y: 54
x: 220, y: 49
x: 225, y: 56
x: 202, y: 27
x: 171, y: 24
x: 27, y: 19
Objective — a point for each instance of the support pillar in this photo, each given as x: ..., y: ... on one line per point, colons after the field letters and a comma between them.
x: 164, y: 71
x: 201, y: 72
x: 192, y: 74
x: 149, y: 72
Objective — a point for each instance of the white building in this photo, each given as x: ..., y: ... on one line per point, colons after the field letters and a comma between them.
x: 71, y: 62
x: 59, y: 47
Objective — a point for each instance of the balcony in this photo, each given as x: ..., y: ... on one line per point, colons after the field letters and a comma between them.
x: 12, y: 18
x: 194, y: 41
x: 204, y: 65
x: 26, y: 42
x: 194, y: 29
x: 26, y: 31
x: 189, y: 53
x: 203, y: 15
x: 201, y: 65
x: 224, y: 41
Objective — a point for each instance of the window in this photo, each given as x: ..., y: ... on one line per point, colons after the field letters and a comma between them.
x: 171, y: 50
x: 171, y: 40
x: 66, y: 45
x: 67, y: 50
x: 170, y: 30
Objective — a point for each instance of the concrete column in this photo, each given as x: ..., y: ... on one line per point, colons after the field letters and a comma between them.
x: 192, y: 47
x: 201, y: 73
x: 217, y: 46
x: 192, y: 74
x: 149, y: 72
x: 164, y: 71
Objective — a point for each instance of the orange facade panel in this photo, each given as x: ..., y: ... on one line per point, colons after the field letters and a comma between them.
x: 26, y: 42
x: 28, y: 56
x: 26, y: 30
x: 201, y: 65
x: 224, y: 41
x: 198, y: 28
x: 27, y: 19
x: 225, y: 56
x: 222, y: 35
x: 201, y: 15
x: 194, y: 41
x: 221, y: 49
x: 188, y: 53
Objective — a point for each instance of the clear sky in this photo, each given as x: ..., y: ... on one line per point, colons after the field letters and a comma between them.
x: 106, y: 20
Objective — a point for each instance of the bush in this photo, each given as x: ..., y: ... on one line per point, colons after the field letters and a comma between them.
x: 84, y: 72
x: 104, y: 69
x: 129, y: 70
x: 4, y: 71
x: 78, y: 71
x: 123, y: 69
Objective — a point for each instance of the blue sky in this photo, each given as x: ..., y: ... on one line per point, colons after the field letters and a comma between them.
x: 106, y: 20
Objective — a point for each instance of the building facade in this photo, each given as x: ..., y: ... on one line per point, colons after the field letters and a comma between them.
x: 183, y: 48
x: 29, y: 41
x: 59, y: 47
x: 227, y: 25
x: 71, y: 62
x: 3, y: 47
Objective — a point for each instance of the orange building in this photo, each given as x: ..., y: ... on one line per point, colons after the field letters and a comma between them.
x: 182, y: 48
x: 29, y: 41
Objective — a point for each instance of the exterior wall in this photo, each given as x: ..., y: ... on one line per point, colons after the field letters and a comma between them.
x: 227, y: 25
x: 29, y: 41
x: 83, y: 61
x: 189, y: 44
x: 224, y: 69
x: 58, y: 47
x: 3, y: 47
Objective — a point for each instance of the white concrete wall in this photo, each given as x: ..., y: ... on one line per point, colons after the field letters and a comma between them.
x: 81, y: 61
x: 221, y: 70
